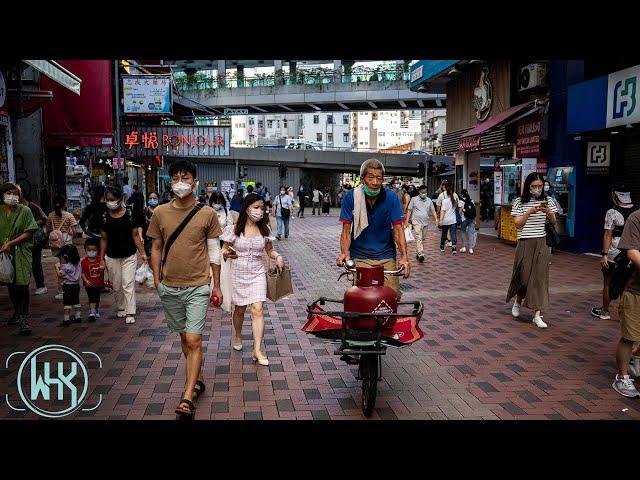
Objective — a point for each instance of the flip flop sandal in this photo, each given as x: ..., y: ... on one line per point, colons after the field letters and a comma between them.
x: 199, y: 389
x: 182, y: 415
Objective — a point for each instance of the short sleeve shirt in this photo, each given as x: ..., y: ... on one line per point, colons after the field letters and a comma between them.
x: 282, y: 201
x: 188, y: 261
x: 613, y: 219
x: 630, y: 240
x: 534, y: 228
x: 375, y: 242
x: 421, y: 210
x: 92, y: 272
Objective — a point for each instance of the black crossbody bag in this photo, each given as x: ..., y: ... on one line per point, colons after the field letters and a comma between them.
x: 284, y: 213
x: 174, y: 236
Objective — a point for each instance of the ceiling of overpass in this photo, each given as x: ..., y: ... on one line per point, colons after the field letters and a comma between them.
x: 182, y: 65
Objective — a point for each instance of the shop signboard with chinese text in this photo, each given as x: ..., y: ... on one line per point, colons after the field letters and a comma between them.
x: 528, y: 137
x: 147, y: 94
x: 176, y: 141
x: 598, y: 158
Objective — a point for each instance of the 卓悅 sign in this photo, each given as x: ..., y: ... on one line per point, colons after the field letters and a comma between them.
x: 147, y: 94
x: 623, y: 97
x: 176, y: 141
x: 4, y: 109
x: 528, y: 137
x: 469, y: 143
x: 598, y: 158
x: 236, y: 111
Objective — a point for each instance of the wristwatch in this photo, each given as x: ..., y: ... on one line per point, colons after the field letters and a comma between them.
x: 603, y: 253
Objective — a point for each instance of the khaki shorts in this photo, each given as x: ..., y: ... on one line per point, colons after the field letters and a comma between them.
x: 629, y: 311
x: 388, y: 264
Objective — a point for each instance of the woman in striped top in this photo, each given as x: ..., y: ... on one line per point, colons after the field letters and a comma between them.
x: 530, y: 277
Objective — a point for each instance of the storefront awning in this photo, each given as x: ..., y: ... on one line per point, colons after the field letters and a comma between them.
x: 57, y: 73
x: 502, y: 118
x: 32, y: 100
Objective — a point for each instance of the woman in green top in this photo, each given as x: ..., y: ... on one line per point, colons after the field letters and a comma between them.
x: 16, y: 231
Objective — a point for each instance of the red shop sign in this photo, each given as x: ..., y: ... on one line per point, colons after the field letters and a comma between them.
x: 469, y: 143
x: 528, y: 137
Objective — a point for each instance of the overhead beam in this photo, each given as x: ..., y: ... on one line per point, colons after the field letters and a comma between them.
x: 402, y: 104
x: 421, y: 103
x: 315, y: 107
x: 286, y: 108
x: 439, y: 102
x: 373, y: 105
x: 259, y: 109
x: 342, y: 105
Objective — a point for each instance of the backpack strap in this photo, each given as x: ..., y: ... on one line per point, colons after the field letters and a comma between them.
x: 177, y: 232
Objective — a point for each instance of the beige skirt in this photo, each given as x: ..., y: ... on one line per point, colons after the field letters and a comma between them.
x: 530, y: 277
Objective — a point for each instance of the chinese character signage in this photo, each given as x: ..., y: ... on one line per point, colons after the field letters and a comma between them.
x: 144, y: 94
x: 176, y: 141
x: 598, y: 158
x: 4, y: 109
x: 528, y: 138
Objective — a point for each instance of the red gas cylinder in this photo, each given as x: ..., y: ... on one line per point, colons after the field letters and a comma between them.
x: 370, y: 295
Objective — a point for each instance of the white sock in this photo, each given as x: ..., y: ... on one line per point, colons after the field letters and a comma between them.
x: 93, y: 311
x: 66, y: 317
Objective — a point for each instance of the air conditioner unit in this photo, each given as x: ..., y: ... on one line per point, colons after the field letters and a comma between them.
x: 531, y: 76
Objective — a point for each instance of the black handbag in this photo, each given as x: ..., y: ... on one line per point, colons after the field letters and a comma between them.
x: 284, y: 213
x: 622, y: 272
x: 553, y: 239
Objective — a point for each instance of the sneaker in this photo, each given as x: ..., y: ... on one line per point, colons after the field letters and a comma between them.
x: 278, y: 237
x: 76, y: 319
x: 24, y: 325
x: 442, y: 249
x: 624, y: 386
x: 454, y: 251
x: 538, y: 322
x: 120, y: 314
x: 463, y: 250
x: 634, y: 367
x: 515, y: 310
x: 471, y: 251
x: 97, y: 315
x: 421, y: 258
x: 92, y: 318
x: 448, y: 244
x: 58, y: 296
x: 41, y: 291
x: 129, y: 319
x: 600, y: 313
x: 66, y: 323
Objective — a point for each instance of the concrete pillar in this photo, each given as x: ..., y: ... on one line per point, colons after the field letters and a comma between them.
x: 222, y: 73
x: 337, y: 67
x: 399, y: 64
x: 240, y: 75
x: 347, y: 64
x: 279, y: 79
x: 292, y: 71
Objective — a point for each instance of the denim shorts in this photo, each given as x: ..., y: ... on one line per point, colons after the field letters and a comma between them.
x: 185, y: 308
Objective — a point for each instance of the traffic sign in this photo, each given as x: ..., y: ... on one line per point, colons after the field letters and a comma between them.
x: 236, y: 111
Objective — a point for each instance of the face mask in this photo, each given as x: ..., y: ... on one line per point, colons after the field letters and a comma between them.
x: 92, y: 254
x: 546, y: 188
x: 368, y: 192
x: 398, y: 187
x: 256, y: 214
x: 423, y: 196
x: 11, y: 199
x: 153, y: 202
x: 181, y: 189
x: 535, y: 191
x: 282, y: 192
x: 113, y: 205
x: 217, y: 206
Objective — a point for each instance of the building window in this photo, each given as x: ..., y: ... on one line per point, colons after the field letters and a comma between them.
x: 345, y: 137
x: 251, y: 121
x: 278, y: 123
x: 316, y: 119
x: 319, y: 137
x: 345, y: 119
x: 284, y: 123
x: 260, y: 123
x: 329, y: 137
x: 329, y: 119
x: 269, y: 123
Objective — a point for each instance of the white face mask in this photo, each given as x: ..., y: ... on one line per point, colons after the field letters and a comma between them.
x: 536, y: 192
x: 113, y: 205
x: 256, y: 214
x: 11, y: 199
x: 546, y: 188
x: 92, y: 254
x: 181, y: 189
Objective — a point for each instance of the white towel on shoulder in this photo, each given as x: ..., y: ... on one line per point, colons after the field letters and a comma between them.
x: 360, y: 218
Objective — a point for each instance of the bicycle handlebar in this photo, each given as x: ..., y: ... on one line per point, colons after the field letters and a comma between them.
x: 350, y: 267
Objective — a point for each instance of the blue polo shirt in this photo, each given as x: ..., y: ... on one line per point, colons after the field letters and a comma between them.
x: 376, y: 241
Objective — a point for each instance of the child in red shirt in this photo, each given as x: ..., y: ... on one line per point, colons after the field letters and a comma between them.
x: 92, y: 276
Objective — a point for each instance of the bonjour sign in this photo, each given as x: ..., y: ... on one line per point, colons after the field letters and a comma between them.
x: 176, y: 141
x: 469, y: 143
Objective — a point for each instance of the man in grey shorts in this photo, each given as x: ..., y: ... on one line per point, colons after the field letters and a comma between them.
x: 184, y: 282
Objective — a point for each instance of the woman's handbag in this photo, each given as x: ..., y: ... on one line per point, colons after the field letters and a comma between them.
x: 278, y: 284
x: 553, y: 239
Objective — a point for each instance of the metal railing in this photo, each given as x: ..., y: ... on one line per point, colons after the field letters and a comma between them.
x: 301, y: 78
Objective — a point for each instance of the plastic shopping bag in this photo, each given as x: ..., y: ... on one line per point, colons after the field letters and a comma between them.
x: 141, y: 273
x: 7, y: 272
x: 408, y: 235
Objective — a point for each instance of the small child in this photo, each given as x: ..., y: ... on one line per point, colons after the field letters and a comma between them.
x: 69, y: 274
x: 92, y: 276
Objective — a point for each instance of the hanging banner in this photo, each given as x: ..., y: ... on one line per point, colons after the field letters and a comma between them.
x: 528, y: 138
x: 497, y: 188
x: 147, y: 94
x: 176, y: 141
x: 529, y: 165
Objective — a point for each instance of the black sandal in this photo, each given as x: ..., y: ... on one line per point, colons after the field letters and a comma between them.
x: 182, y: 415
x: 199, y: 389
x: 350, y: 360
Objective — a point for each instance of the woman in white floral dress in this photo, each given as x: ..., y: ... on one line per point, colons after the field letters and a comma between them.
x: 246, y: 242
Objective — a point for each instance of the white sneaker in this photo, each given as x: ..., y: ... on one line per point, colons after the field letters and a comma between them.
x: 538, y: 322
x: 634, y: 367
x: 515, y: 310
x: 471, y: 251
x: 41, y: 291
x: 448, y: 244
x: 130, y: 320
x: 624, y: 386
x: 463, y: 250
x: 120, y: 314
x: 58, y: 296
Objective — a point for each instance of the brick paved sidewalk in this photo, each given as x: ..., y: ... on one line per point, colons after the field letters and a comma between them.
x: 475, y: 362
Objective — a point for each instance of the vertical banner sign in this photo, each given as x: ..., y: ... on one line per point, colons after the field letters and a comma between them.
x: 497, y: 188
x: 528, y: 138
x: 4, y: 109
x: 598, y: 158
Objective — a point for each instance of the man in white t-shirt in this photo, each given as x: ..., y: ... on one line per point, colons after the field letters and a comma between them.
x: 316, y: 201
x: 126, y: 190
x: 419, y: 209
x: 614, y: 221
